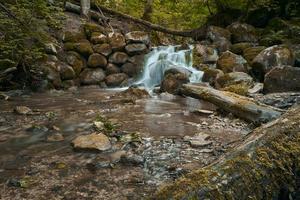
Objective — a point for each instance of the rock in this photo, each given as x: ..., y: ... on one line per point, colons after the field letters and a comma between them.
x: 50, y: 49
x: 210, y: 75
x: 205, y: 54
x: 132, y: 159
x: 52, y: 74
x: 135, y: 49
x: 198, y: 141
x: 222, y: 45
x: 90, y: 28
x: 130, y: 69
x: 136, y: 93
x: 115, y: 80
x: 97, y: 60
x: 257, y: 88
x: 282, y: 79
x: 118, y: 58
x: 84, y: 48
x: 172, y: 82
x: 138, y: 61
x: 215, y: 33
x: 95, y: 141
x: 178, y: 70
x: 76, y: 61
x: 233, y: 78
x: 239, y: 48
x: 117, y: 41
x: 271, y: 57
x: 73, y: 36
x: 104, y: 49
x: 56, y: 137
x: 112, y: 69
x: 138, y: 37
x: 242, y: 33
x: 230, y: 62
x: 282, y: 100
x: 250, y: 53
x: 98, y: 38
x: 66, y: 71
x: 68, y: 84
x: 22, y: 110
x: 92, y: 76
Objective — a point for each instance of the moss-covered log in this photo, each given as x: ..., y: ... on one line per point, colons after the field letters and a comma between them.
x: 240, y: 106
x: 263, y: 166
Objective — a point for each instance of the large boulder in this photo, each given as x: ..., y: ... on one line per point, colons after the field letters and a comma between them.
x: 230, y: 62
x: 215, y: 33
x: 234, y: 78
x: 112, y: 69
x: 138, y: 37
x: 115, y: 80
x: 242, y: 33
x: 134, y: 49
x: 220, y: 37
x: 117, y: 41
x: 97, y: 60
x: 104, y: 49
x: 210, y: 75
x: 271, y: 57
x: 98, y: 38
x: 52, y: 74
x: 205, y: 54
x: 95, y: 141
x: 174, y: 78
x: 66, y: 71
x: 282, y: 79
x: 92, y: 76
x: 250, y: 53
x: 118, y: 58
x: 83, y: 48
x: 76, y: 61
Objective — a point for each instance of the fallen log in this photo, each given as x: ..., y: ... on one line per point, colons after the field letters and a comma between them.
x: 240, y: 106
x: 265, y: 165
x: 197, y: 34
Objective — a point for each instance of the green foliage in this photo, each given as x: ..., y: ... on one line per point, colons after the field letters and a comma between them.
x: 24, y: 29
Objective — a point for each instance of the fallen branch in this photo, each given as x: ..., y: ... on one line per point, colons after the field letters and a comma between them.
x: 199, y: 33
x: 240, y: 106
x: 265, y: 166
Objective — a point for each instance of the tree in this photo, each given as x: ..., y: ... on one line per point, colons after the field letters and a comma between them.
x: 148, y: 9
x: 85, y: 8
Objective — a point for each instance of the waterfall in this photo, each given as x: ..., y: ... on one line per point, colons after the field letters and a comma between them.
x: 162, y: 58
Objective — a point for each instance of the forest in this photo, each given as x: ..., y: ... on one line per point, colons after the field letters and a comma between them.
x: 150, y: 99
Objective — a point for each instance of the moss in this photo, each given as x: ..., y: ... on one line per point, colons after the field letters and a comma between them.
x: 89, y: 28
x: 83, y: 48
x: 197, y: 59
x: 73, y: 36
x: 241, y: 89
x: 265, y: 163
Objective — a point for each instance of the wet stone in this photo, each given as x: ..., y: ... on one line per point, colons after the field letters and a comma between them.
x: 93, y: 141
x: 22, y: 110
x: 56, y: 137
x: 198, y: 140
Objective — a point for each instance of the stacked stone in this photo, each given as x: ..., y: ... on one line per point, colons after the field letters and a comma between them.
x: 96, y: 57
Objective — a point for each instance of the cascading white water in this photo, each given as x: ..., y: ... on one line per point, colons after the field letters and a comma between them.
x: 162, y: 58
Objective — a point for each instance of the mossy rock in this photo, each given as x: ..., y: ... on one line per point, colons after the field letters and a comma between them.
x: 84, y: 48
x: 89, y: 28
x: 210, y: 75
x: 238, y: 48
x: 250, y: 53
x: 240, y: 89
x: 73, y: 36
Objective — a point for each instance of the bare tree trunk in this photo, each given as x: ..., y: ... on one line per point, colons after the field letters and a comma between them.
x: 148, y: 10
x: 85, y: 8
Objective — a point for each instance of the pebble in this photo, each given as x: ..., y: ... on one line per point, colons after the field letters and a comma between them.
x: 22, y: 110
x: 56, y: 137
x: 95, y: 141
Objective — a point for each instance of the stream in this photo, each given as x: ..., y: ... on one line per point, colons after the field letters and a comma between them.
x: 160, y: 130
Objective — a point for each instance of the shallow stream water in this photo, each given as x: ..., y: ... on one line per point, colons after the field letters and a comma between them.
x: 54, y: 170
